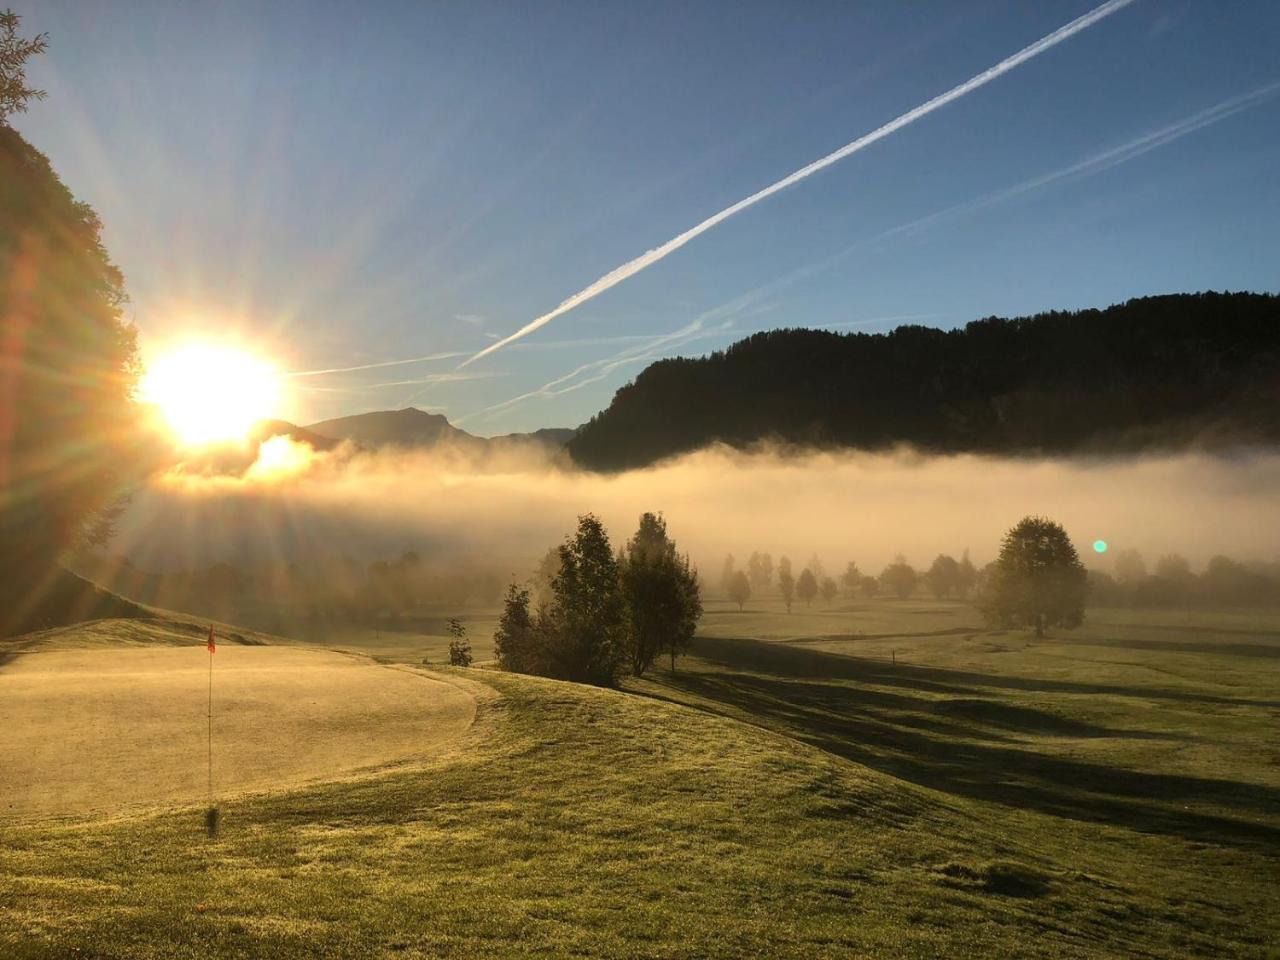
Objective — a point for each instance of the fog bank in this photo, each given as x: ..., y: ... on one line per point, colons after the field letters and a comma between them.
x: 849, y: 506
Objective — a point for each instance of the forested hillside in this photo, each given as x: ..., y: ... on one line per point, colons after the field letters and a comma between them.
x: 1153, y: 373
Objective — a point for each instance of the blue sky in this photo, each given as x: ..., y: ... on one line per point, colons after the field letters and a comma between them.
x: 344, y: 185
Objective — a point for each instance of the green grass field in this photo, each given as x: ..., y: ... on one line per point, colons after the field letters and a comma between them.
x: 791, y: 791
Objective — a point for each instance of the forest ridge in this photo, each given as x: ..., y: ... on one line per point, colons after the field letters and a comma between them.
x: 1161, y: 372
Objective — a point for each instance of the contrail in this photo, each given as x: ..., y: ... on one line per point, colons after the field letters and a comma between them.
x: 375, y: 366
x: 650, y: 347
x: 632, y: 267
x: 1105, y: 160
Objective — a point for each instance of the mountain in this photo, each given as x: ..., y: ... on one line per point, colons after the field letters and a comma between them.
x: 412, y: 427
x: 1160, y: 372
x: 409, y: 427
x: 266, y: 429
x: 554, y: 437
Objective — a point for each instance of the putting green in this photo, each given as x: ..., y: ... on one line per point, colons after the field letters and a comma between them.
x: 104, y: 730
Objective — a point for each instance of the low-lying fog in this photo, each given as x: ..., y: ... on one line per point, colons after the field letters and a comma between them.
x: 295, y: 507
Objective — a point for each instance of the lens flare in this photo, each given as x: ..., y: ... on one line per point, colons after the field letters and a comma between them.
x: 208, y: 393
x: 1099, y: 546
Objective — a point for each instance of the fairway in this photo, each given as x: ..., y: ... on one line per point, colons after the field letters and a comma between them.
x: 105, y: 730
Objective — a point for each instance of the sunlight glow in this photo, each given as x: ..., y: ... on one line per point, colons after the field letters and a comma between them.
x: 281, y: 457
x: 209, y: 393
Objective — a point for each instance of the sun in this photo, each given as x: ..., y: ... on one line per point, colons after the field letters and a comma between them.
x: 209, y: 393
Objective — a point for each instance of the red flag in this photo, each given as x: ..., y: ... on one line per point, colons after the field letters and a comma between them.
x: 213, y: 647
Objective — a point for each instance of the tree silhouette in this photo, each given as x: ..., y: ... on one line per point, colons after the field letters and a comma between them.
x: 586, y: 623
x: 899, y: 578
x: 515, y: 643
x: 662, y: 595
x: 943, y: 576
x: 1037, y: 580
x: 740, y: 589
x: 786, y: 583
x: 14, y: 54
x: 67, y: 430
x: 851, y: 579
x: 760, y: 571
x: 727, y: 570
x: 807, y: 586
x: 828, y: 589
x: 459, y: 645
x: 967, y: 575
x: 1131, y: 569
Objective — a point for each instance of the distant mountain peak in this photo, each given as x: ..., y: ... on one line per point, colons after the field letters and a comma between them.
x: 412, y: 427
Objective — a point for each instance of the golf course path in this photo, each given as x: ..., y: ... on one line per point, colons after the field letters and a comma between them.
x: 107, y: 730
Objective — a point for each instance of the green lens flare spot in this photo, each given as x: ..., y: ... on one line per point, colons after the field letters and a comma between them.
x: 1099, y: 546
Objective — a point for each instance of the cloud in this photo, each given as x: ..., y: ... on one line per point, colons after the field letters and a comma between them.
x: 650, y: 257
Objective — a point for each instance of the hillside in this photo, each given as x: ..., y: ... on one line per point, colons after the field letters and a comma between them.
x: 412, y: 427
x: 574, y: 821
x: 1153, y: 373
x: 409, y: 427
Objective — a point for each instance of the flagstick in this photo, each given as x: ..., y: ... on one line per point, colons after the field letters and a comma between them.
x: 210, y: 728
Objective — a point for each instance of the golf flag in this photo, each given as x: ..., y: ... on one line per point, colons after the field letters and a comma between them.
x: 213, y: 647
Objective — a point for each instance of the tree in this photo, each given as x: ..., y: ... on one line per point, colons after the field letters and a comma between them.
x: 543, y: 574
x: 585, y: 626
x: 851, y: 579
x: 459, y: 645
x: 807, y: 586
x: 870, y: 586
x: 1174, y: 568
x: 1131, y: 569
x: 14, y: 53
x: 943, y: 576
x: 662, y: 595
x: 816, y: 568
x: 515, y: 643
x: 726, y: 572
x: 66, y: 381
x: 760, y: 571
x: 786, y: 583
x: 828, y: 589
x: 967, y: 575
x: 899, y: 578
x: 1037, y: 580
x: 740, y: 589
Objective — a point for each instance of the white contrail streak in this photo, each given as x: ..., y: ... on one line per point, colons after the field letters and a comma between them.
x: 375, y: 366
x: 632, y: 267
x: 652, y: 346
x: 1105, y: 160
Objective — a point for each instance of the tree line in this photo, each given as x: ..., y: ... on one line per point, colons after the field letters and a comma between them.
x: 1093, y: 380
x: 70, y: 364
x: 1171, y: 581
x: 945, y: 577
x: 602, y: 614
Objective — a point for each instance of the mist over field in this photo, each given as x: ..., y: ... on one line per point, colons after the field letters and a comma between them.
x: 866, y: 507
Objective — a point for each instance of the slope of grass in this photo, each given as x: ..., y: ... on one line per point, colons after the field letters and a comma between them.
x: 596, y: 823
x: 1142, y: 746
x: 816, y: 802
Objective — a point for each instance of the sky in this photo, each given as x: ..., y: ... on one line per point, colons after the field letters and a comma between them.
x: 364, y: 186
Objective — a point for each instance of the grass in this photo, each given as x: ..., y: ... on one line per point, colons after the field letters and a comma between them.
x: 1089, y: 795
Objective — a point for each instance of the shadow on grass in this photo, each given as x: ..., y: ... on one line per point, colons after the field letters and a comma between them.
x: 1263, y: 651
x: 831, y: 701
